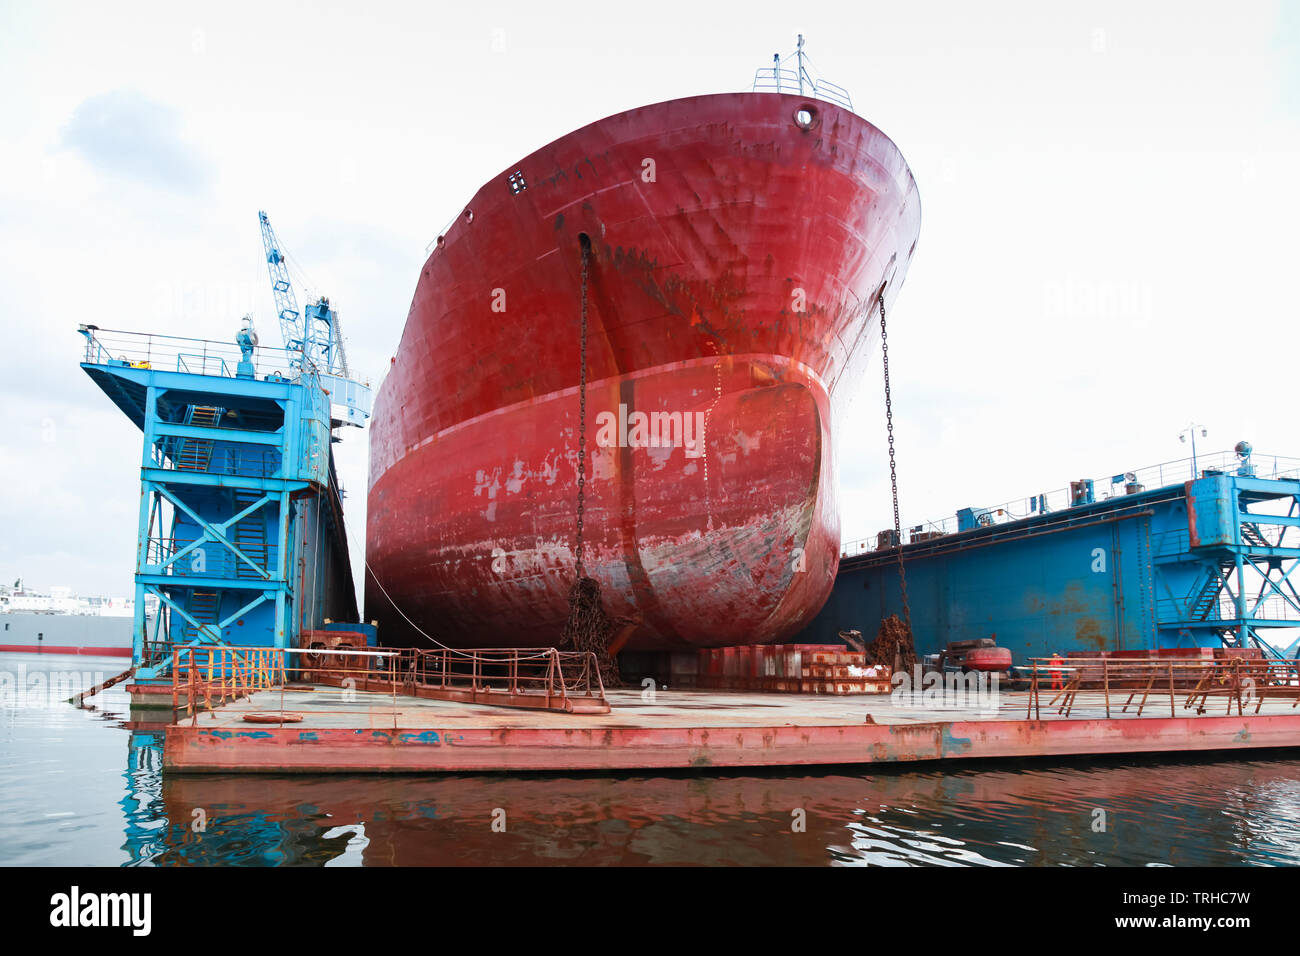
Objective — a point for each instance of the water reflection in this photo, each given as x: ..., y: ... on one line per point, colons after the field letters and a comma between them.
x: 86, y: 787
x: 1182, y: 813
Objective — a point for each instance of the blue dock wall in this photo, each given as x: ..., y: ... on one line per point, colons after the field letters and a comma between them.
x: 1075, y: 588
x: 1153, y: 569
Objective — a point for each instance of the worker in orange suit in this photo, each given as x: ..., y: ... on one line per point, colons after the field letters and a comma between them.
x: 1058, y: 681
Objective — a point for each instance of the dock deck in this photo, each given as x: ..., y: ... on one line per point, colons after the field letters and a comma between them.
x: 376, y: 732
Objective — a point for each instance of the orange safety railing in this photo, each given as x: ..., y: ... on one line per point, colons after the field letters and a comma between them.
x: 1240, y: 681
x: 541, y: 678
x: 221, y: 672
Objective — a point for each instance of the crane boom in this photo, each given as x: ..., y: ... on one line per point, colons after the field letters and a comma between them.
x: 286, y: 303
x: 341, y: 356
x: 315, y: 336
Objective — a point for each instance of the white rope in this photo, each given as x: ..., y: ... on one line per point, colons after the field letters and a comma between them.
x: 470, y: 656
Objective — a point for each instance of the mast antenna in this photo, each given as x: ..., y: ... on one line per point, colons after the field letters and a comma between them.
x: 799, y: 61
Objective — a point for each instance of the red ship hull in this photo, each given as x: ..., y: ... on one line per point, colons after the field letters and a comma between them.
x: 737, y: 255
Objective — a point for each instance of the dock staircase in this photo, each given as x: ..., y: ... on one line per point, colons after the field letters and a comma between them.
x: 249, y: 534
x: 1251, y: 534
x: 205, y: 608
x: 1203, y: 603
x: 1207, y: 598
x: 195, y: 454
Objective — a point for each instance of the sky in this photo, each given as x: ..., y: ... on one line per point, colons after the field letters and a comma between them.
x: 1107, y: 251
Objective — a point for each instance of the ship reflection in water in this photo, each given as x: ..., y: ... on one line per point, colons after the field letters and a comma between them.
x: 73, y: 782
x: 1182, y: 813
x: 1179, y: 813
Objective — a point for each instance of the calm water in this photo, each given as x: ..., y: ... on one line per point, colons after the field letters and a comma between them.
x: 78, y: 787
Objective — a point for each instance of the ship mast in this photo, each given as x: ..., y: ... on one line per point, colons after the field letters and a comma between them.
x: 799, y: 62
x: 777, y: 79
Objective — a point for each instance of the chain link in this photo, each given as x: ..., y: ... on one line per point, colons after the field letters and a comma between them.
x: 582, y: 409
x: 893, y: 468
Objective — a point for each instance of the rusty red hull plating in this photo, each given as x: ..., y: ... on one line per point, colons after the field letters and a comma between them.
x: 737, y: 255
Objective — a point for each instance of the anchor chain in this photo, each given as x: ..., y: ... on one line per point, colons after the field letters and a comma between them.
x: 893, y: 468
x: 588, y: 627
x: 582, y: 412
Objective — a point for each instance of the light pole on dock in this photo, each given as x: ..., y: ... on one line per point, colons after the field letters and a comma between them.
x: 1191, y: 430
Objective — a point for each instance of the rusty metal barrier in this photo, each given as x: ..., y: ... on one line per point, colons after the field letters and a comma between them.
x: 222, y: 672
x: 542, y: 679
x: 1237, y: 680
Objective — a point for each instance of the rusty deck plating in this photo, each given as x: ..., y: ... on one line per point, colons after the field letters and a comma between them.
x: 681, y: 729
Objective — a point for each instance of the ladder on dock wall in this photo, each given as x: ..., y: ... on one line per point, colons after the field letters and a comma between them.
x: 80, y: 699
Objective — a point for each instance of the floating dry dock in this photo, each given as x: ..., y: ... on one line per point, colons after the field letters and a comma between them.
x: 366, y: 731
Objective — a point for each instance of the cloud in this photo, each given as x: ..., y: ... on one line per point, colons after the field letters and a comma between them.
x: 127, y: 135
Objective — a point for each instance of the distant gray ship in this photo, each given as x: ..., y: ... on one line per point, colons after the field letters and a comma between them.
x: 33, y: 632
x: 59, y: 622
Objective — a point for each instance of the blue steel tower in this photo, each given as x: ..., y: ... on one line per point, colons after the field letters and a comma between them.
x: 240, y: 539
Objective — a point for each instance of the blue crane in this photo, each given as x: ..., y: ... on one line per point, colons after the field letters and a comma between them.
x: 286, y: 303
x: 314, y: 334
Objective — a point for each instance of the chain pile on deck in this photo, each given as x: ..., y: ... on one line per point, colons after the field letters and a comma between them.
x: 893, y: 646
x: 590, y: 629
